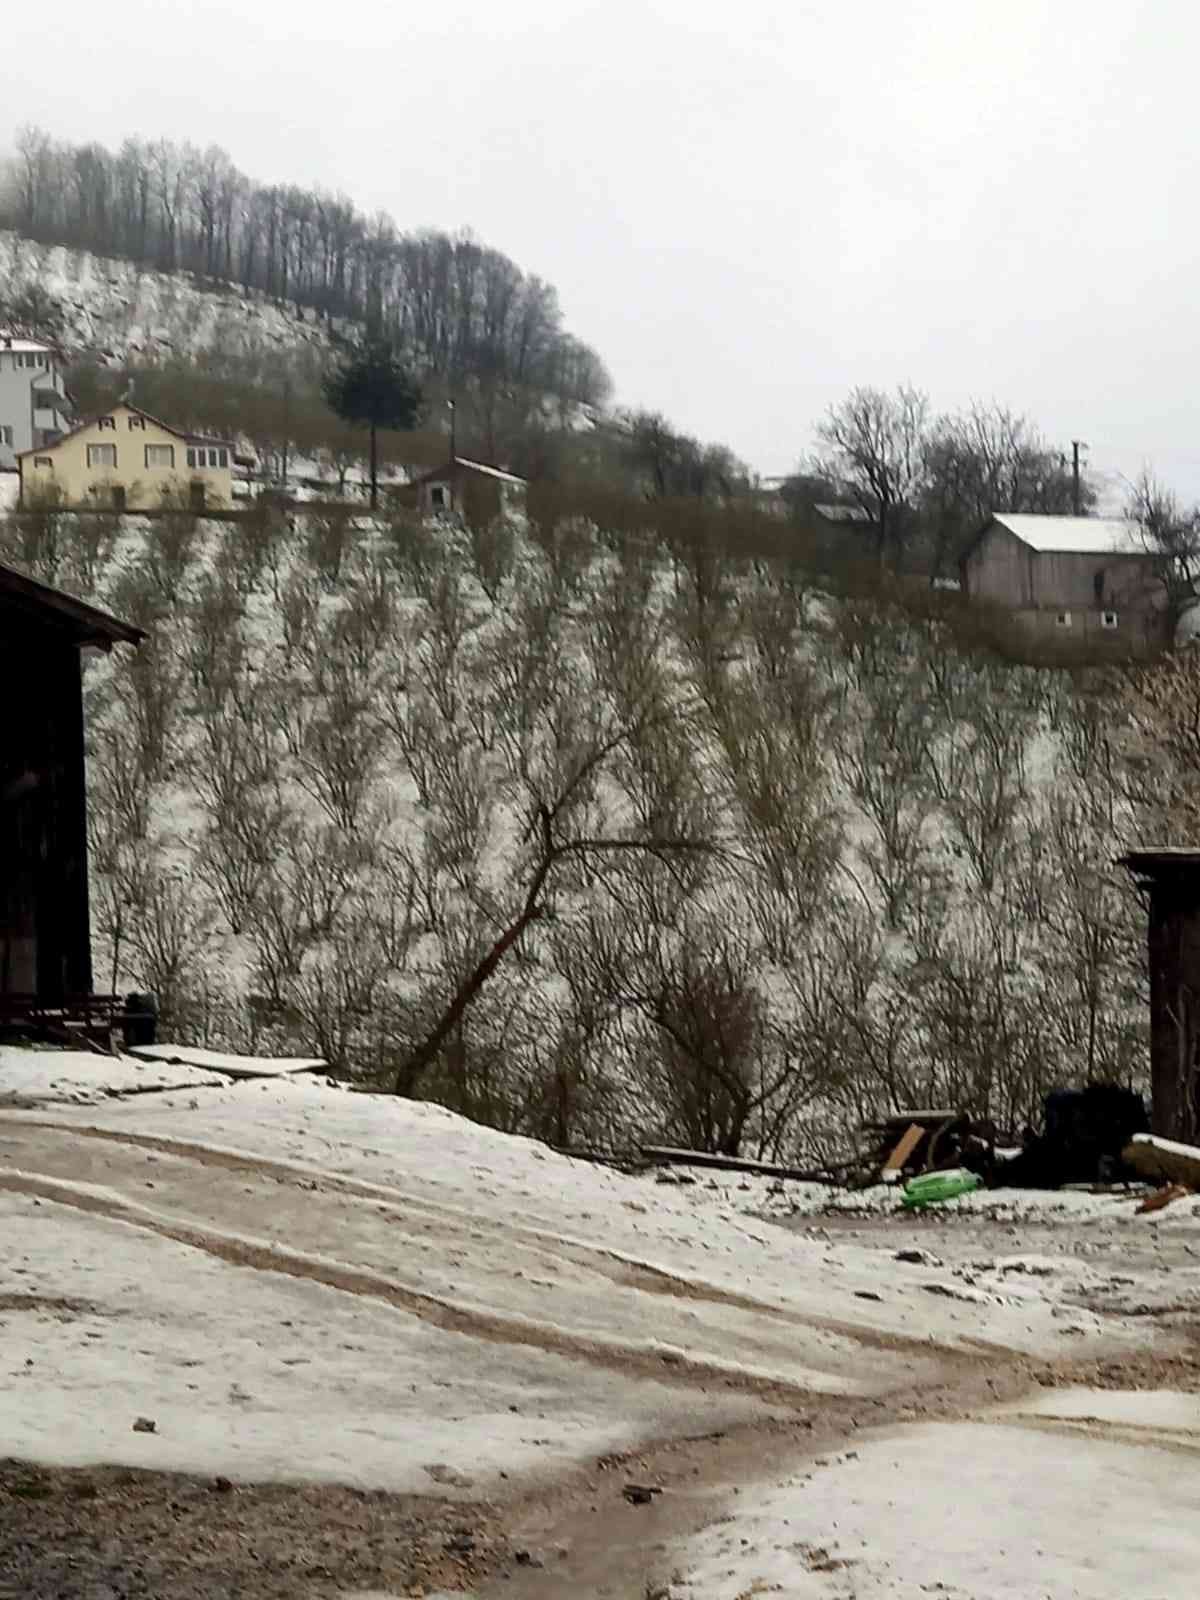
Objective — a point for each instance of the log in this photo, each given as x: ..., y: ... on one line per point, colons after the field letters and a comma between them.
x: 1157, y: 1158
x: 667, y: 1156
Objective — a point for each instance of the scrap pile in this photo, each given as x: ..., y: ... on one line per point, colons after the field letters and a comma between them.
x: 1096, y: 1138
x: 910, y: 1143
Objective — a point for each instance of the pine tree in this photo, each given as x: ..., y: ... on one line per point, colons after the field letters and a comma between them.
x: 372, y: 386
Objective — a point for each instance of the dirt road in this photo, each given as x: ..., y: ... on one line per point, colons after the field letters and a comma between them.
x: 256, y: 1307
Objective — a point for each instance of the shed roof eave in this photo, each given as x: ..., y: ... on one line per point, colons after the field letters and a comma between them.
x: 84, y: 624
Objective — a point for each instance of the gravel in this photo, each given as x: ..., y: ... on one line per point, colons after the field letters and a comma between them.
x: 115, y: 1534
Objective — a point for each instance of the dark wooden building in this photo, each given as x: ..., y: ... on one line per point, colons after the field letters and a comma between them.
x: 1170, y: 879
x: 45, y: 935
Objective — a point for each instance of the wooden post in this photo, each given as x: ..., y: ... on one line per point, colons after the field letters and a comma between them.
x: 1171, y: 879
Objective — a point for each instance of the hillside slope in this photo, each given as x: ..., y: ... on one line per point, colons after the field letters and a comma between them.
x: 119, y: 313
x: 593, y: 840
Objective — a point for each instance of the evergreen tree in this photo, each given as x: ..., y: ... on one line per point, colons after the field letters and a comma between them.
x: 372, y: 387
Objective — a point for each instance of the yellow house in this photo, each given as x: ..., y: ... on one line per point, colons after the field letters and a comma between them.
x: 129, y: 458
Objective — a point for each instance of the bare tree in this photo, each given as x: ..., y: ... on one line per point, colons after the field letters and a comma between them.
x: 874, y: 447
x: 1173, y: 531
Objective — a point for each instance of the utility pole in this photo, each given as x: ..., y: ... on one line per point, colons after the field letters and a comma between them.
x: 287, y: 426
x: 453, y: 430
x: 1076, y: 488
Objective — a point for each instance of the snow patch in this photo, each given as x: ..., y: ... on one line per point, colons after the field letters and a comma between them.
x: 79, y: 1077
x: 230, y: 1066
x: 975, y: 1511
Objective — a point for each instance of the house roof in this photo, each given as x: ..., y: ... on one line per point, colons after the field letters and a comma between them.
x: 84, y: 624
x: 1163, y: 862
x: 1100, y: 536
x: 833, y: 513
x: 123, y: 405
x: 457, y: 463
x: 25, y: 346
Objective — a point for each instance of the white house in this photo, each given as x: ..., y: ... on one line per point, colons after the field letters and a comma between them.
x: 35, y: 408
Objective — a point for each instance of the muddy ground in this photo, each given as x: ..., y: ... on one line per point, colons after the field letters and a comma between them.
x: 119, y: 1534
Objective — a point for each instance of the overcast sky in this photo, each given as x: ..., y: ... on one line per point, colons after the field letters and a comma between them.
x: 746, y: 208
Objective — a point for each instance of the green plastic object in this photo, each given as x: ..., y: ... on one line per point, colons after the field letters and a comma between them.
x: 933, y: 1187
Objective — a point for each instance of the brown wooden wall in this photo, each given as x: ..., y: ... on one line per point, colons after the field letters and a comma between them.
x: 1000, y: 570
x: 44, y: 927
x: 1175, y: 1006
x: 1004, y: 571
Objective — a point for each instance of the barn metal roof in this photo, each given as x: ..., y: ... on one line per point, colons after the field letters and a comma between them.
x: 83, y: 624
x: 1100, y: 536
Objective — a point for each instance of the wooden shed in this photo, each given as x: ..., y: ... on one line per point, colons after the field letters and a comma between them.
x: 45, y: 934
x: 472, y: 490
x: 1078, y: 582
x: 1170, y: 880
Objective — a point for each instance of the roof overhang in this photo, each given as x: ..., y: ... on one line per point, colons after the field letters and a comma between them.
x: 82, y: 623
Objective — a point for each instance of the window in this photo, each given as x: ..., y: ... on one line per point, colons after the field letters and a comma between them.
x: 6, y: 435
x: 1109, y: 619
x: 106, y: 422
x: 160, y: 455
x: 101, y: 455
x: 1063, y: 619
x: 137, y: 422
x: 439, y: 497
x: 44, y: 461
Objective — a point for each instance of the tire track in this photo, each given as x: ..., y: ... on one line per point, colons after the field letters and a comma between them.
x: 619, y: 1269
x: 668, y: 1367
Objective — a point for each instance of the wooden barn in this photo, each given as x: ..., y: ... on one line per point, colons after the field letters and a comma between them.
x: 472, y: 490
x: 1170, y: 881
x: 45, y: 934
x: 1086, y: 583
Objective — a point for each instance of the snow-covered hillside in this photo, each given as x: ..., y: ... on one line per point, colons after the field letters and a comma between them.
x: 755, y: 863
x: 117, y: 313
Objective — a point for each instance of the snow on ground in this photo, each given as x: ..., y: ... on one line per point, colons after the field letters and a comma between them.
x: 79, y: 1077
x: 504, y: 1205
x: 257, y: 1376
x: 968, y: 1511
x: 119, y: 311
x: 297, y: 1281
x: 229, y: 1066
x: 784, y: 1200
x: 1158, y: 1409
x: 10, y: 490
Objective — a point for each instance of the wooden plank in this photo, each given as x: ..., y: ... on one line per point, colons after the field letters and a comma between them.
x: 1163, y: 1197
x: 1163, y: 1158
x: 909, y: 1141
x: 667, y: 1156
